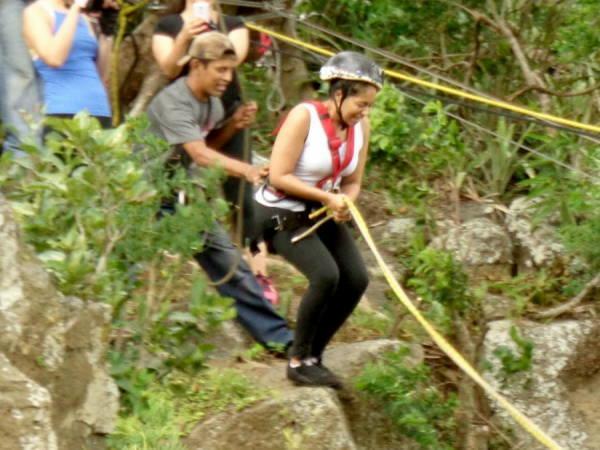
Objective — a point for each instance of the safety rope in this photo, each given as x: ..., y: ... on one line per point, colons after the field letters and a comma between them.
x: 430, y: 85
x: 446, y: 347
x: 496, y: 135
x: 276, y: 91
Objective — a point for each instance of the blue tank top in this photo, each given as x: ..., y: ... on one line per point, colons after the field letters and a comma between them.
x: 76, y: 85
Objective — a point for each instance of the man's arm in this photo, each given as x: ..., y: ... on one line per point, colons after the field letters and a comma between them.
x: 205, y: 156
x: 242, y: 118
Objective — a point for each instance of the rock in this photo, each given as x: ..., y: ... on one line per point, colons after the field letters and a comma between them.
x: 308, y: 418
x: 301, y: 418
x: 402, y: 228
x: 481, y: 245
x: 398, y: 234
x: 542, y: 393
x: 349, y: 359
x: 52, y: 350
x: 537, y: 245
x: 497, y: 307
x: 229, y: 340
x: 26, y: 411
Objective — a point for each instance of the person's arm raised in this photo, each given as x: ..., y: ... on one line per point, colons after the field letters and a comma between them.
x: 167, y: 51
x: 52, y: 48
x: 240, y: 38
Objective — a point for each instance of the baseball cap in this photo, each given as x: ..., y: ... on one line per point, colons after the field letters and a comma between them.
x: 209, y: 46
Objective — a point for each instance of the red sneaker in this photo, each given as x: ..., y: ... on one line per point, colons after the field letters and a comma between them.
x: 269, y: 291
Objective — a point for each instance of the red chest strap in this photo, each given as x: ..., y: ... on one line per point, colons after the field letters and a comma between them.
x: 335, y: 143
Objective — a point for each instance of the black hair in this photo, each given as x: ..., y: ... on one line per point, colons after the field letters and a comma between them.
x: 348, y: 88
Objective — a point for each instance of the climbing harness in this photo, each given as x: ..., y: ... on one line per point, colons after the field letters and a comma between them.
x: 330, y: 182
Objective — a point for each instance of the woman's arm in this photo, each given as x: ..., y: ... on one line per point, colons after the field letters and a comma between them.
x: 167, y: 51
x: 52, y: 48
x: 351, y: 184
x: 240, y: 38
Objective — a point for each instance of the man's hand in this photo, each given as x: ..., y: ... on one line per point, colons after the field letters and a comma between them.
x: 244, y: 115
x: 255, y: 175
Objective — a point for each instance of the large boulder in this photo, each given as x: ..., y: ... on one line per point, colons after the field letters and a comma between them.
x: 537, y: 244
x: 297, y: 418
x: 563, y: 352
x: 308, y: 418
x: 481, y: 245
x: 55, y: 390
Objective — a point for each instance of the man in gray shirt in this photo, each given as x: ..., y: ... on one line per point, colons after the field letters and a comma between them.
x: 184, y: 113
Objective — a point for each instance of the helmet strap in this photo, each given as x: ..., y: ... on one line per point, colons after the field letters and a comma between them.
x: 338, y: 107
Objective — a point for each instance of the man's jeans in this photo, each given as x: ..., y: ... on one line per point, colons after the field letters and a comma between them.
x: 19, y: 96
x: 254, y: 312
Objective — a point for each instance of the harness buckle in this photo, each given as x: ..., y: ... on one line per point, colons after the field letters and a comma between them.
x: 278, y: 222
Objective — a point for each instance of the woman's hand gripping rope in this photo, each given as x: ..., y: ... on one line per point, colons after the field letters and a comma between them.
x: 312, y: 229
x: 337, y: 210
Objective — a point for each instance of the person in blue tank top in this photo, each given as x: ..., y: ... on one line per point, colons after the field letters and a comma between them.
x: 70, y: 57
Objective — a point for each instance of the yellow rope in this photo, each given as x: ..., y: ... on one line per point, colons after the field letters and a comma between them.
x: 439, y: 87
x: 447, y: 348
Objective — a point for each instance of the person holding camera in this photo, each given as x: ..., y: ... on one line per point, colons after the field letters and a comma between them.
x: 70, y: 56
x: 190, y: 117
x: 170, y: 42
x: 318, y: 159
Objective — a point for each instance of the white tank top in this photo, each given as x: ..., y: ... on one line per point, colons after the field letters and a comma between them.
x: 314, y: 163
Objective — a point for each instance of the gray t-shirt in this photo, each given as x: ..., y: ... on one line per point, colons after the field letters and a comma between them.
x: 178, y: 117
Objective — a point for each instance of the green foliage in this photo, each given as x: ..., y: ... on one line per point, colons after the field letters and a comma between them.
x: 511, y: 362
x: 153, y: 428
x: 370, y: 321
x: 414, y: 147
x: 525, y: 290
x: 572, y: 200
x: 169, y: 407
x: 574, y: 40
x: 215, y: 391
x: 443, y: 285
x: 410, y: 398
x: 89, y: 206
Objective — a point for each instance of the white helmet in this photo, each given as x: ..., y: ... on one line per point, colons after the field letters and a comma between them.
x: 352, y: 66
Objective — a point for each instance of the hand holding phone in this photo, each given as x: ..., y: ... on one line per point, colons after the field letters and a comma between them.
x: 201, y: 10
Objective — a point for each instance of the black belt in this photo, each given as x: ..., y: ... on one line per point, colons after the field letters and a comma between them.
x: 290, y: 220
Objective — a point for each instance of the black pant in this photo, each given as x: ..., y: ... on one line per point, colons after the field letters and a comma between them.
x: 337, y: 278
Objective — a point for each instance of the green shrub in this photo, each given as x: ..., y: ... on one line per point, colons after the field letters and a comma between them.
x: 88, y: 204
x: 443, y: 286
x: 409, y: 396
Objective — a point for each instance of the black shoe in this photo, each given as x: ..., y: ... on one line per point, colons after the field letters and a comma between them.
x: 335, y: 381
x: 311, y: 375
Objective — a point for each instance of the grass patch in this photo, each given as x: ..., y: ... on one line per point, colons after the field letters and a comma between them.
x: 172, y: 407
